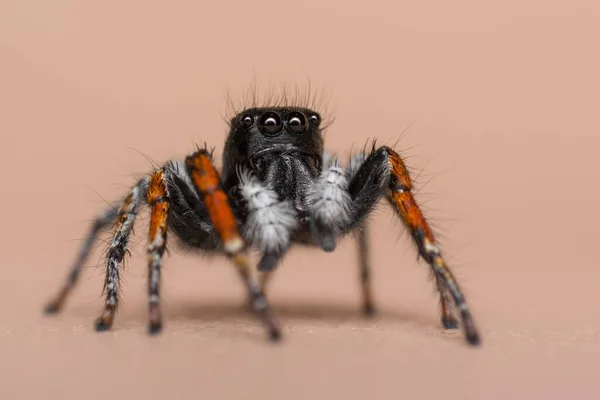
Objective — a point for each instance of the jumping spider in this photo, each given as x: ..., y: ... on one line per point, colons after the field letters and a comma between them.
x: 277, y: 187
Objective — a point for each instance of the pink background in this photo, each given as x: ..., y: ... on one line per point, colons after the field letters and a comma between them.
x: 500, y: 106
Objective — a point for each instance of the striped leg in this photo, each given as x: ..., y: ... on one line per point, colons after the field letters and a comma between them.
x: 103, y: 221
x: 116, y: 253
x: 448, y: 319
x: 158, y: 199
x: 207, y: 182
x: 401, y: 197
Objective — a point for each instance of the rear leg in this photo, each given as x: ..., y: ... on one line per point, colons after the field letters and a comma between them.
x: 449, y: 321
x: 117, y: 251
x: 365, y: 270
x: 103, y: 221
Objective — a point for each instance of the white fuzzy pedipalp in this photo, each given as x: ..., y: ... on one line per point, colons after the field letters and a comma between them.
x: 270, y: 221
x: 329, y: 198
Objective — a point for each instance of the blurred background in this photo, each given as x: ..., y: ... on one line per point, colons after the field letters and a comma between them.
x: 497, y: 106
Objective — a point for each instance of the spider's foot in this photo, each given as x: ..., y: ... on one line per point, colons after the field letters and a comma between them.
x: 369, y: 310
x: 154, y: 328
x: 261, y: 307
x: 471, y: 334
x: 56, y: 304
x: 275, y: 335
x: 155, y: 324
x: 272, y: 325
x: 102, y: 325
x: 449, y: 322
x: 105, y: 321
x: 52, y: 308
x: 473, y: 338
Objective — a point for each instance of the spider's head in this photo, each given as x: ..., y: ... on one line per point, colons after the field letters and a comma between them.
x: 274, y: 131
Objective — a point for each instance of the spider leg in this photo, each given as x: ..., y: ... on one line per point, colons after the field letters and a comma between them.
x: 267, y: 266
x: 448, y: 319
x: 263, y: 279
x: 208, y: 185
x: 365, y: 269
x: 158, y: 200
x: 384, y: 171
x: 116, y: 253
x: 401, y: 197
x: 101, y: 222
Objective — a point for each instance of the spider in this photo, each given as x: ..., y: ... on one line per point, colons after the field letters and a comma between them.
x: 277, y: 187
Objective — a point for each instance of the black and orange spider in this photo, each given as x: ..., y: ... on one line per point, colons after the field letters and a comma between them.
x: 277, y: 187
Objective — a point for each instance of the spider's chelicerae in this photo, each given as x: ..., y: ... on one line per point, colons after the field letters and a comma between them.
x: 277, y: 187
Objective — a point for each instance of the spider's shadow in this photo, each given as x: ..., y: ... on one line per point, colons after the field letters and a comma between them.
x: 287, y: 311
x: 290, y: 313
x: 293, y: 312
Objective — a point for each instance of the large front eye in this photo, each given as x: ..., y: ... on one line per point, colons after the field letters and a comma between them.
x: 270, y: 123
x: 297, y: 122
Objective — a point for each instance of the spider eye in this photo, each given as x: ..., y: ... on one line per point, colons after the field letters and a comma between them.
x: 297, y: 122
x: 315, y: 119
x: 247, y: 120
x: 270, y: 123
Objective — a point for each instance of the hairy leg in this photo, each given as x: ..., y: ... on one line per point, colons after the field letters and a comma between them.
x: 207, y: 182
x: 384, y: 171
x: 101, y: 222
x: 405, y: 204
x: 158, y: 200
x: 116, y: 253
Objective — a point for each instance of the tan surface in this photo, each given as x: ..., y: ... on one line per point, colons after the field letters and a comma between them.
x: 503, y: 102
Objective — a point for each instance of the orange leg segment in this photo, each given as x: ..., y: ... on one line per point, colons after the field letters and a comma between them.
x: 158, y: 199
x: 402, y: 198
x: 208, y: 185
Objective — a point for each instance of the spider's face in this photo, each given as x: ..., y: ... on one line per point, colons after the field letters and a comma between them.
x: 258, y: 132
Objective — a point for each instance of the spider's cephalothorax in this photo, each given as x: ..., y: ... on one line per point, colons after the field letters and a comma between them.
x: 277, y: 187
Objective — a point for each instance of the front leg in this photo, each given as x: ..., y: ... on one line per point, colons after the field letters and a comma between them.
x: 207, y: 183
x: 384, y: 171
